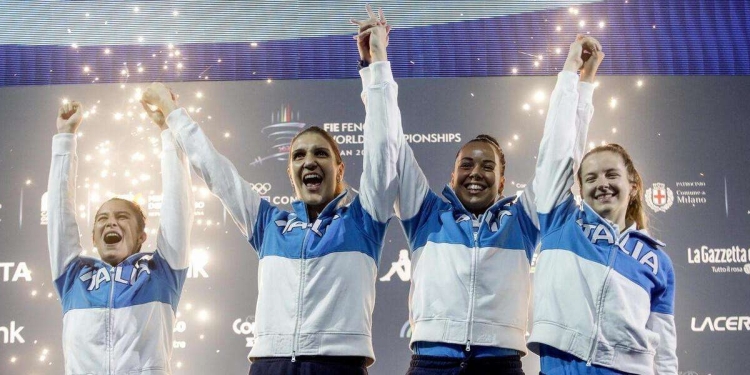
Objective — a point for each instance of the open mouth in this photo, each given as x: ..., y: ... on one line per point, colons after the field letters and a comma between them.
x: 312, y: 181
x: 474, y: 188
x: 111, y: 238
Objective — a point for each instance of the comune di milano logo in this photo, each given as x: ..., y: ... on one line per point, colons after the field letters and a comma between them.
x: 659, y: 197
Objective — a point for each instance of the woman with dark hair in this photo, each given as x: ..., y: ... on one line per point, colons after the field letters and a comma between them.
x: 471, y: 255
x: 318, y: 262
x: 603, y: 287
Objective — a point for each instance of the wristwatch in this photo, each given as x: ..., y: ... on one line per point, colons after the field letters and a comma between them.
x: 361, y: 64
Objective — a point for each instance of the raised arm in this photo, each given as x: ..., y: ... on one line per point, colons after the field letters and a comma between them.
x: 220, y: 175
x: 382, y: 131
x: 566, y: 126
x: 585, y: 110
x: 390, y: 158
x: 176, y: 214
x: 63, y: 237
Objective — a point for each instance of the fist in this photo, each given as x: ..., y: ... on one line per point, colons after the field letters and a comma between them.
x: 160, y: 96
x: 574, y: 61
x: 593, y: 57
x: 155, y: 115
x: 584, y: 52
x: 69, y: 117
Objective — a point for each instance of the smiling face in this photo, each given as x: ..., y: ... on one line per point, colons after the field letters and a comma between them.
x: 606, y: 186
x: 477, y: 176
x: 116, y: 231
x: 314, y: 169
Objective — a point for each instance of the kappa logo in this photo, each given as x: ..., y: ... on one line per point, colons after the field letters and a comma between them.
x: 402, y: 267
x: 261, y: 188
x: 405, y: 332
x: 659, y: 197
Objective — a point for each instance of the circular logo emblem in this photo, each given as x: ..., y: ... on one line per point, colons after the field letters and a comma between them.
x: 747, y: 268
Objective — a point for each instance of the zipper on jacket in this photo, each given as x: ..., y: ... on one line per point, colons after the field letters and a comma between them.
x: 295, y: 343
x: 110, y: 324
x: 473, y: 277
x: 600, y: 302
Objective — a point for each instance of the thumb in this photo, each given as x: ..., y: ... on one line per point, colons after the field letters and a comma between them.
x: 147, y: 108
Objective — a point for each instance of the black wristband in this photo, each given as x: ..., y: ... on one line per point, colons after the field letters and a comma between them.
x: 361, y: 64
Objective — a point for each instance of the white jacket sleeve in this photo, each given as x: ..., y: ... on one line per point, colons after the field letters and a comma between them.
x: 661, y: 323
x: 584, y: 113
x: 217, y: 171
x: 176, y: 215
x: 665, y: 362
x: 563, y: 137
x: 402, y: 172
x: 382, y: 139
x: 63, y: 237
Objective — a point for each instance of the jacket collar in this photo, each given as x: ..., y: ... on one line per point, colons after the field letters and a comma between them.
x: 130, y: 260
x: 632, y: 231
x: 643, y: 234
x: 300, y: 208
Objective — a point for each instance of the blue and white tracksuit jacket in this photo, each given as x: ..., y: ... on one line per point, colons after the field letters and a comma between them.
x: 118, y: 320
x: 469, y: 287
x: 316, y: 280
x: 605, y: 296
